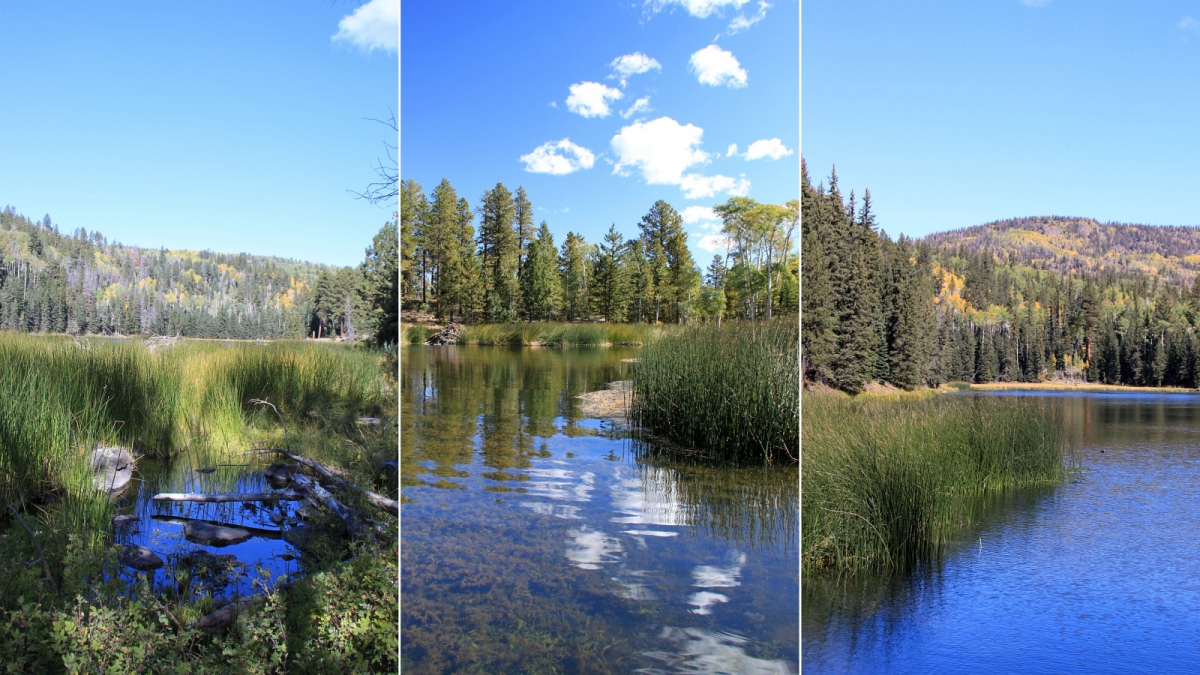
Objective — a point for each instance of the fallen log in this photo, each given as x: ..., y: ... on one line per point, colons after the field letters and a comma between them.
x: 310, y: 487
x: 256, y: 531
x: 228, y: 497
x: 376, y: 500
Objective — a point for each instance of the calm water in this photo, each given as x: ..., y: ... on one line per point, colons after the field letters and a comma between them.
x: 159, y: 526
x: 534, y: 540
x: 1100, y: 575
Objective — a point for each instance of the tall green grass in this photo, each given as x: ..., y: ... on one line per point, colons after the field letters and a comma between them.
x: 733, y: 390
x: 888, y: 482
x: 60, y: 398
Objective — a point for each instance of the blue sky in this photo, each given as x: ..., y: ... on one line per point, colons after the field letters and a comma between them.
x: 960, y: 113
x: 230, y: 126
x: 485, y: 85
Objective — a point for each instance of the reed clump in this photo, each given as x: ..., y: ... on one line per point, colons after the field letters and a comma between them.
x: 888, y: 482
x: 731, y: 390
x: 60, y: 398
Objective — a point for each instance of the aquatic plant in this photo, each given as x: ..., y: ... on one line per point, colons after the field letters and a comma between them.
x: 886, y: 482
x: 731, y: 390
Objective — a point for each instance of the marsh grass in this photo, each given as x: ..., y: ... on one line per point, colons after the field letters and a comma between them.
x: 889, y: 482
x: 732, y: 391
x: 60, y: 398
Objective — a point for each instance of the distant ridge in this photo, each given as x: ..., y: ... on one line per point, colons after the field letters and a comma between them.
x: 1170, y: 253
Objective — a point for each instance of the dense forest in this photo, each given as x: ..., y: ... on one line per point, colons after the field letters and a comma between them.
x: 82, y: 283
x: 1023, y: 300
x: 510, y: 270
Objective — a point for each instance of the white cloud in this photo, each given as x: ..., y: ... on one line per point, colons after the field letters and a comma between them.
x: 732, y: 150
x: 773, y: 148
x: 640, y: 105
x: 713, y: 242
x: 590, y: 99
x: 558, y: 158
x: 632, y: 64
x: 700, y: 8
x: 697, y: 214
x: 662, y: 150
x: 697, y: 186
x: 1189, y: 23
x: 1035, y: 3
x: 375, y: 25
x: 741, y: 23
x: 716, y: 67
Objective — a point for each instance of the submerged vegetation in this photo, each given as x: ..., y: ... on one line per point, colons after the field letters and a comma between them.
x: 889, y: 481
x: 731, y: 390
x: 61, y: 397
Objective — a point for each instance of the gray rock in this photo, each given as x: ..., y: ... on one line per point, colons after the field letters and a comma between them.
x: 278, y: 475
x: 121, y: 520
x: 112, y: 469
x: 201, y: 532
x: 138, y: 557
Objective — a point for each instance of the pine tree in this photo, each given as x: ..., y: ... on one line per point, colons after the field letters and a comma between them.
x: 499, y: 255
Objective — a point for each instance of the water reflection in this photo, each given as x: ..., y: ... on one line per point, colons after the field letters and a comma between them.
x: 1097, y: 575
x: 602, y: 543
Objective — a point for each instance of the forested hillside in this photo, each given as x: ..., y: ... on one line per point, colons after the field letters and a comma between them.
x: 510, y: 270
x: 1020, y: 300
x: 83, y: 283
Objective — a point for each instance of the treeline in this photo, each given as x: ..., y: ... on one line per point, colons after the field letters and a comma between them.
x: 913, y: 314
x: 82, y: 283
x: 508, y: 270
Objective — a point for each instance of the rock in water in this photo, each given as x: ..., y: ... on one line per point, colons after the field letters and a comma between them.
x: 138, y: 557
x: 121, y: 520
x: 112, y: 469
x: 201, y: 532
x: 278, y: 475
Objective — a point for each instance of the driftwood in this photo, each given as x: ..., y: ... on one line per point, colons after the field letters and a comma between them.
x: 228, y: 497
x: 319, y: 495
x: 377, y: 500
x: 256, y: 531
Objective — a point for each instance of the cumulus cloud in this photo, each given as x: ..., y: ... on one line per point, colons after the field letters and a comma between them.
x: 662, y: 150
x: 699, y: 8
x: 732, y: 150
x: 696, y: 186
x: 640, y: 105
x: 558, y: 158
x: 590, y: 99
x: 375, y: 25
x: 741, y: 23
x: 698, y: 214
x: 713, y: 243
x: 716, y: 67
x: 632, y: 64
x: 772, y: 148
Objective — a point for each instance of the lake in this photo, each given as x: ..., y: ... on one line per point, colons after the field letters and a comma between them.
x: 534, y: 539
x: 1098, y: 575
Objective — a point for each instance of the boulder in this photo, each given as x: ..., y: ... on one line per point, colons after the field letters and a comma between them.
x: 278, y: 475
x: 112, y: 469
x: 201, y: 532
x: 138, y: 557
x: 121, y: 519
